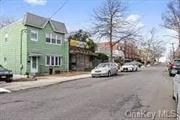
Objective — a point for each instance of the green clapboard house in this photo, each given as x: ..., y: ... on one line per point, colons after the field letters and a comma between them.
x: 34, y: 45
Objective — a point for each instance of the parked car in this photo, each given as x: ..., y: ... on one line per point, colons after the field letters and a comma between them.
x: 176, y: 92
x: 5, y: 74
x: 116, y: 65
x: 105, y: 69
x: 129, y: 67
x: 173, y: 67
x: 137, y: 63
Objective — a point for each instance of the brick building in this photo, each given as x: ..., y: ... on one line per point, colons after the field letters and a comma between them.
x: 127, y: 50
x: 131, y: 51
x: 104, y: 47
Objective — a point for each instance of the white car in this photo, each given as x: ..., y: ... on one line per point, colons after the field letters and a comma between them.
x: 129, y: 67
x: 176, y: 93
x: 105, y: 69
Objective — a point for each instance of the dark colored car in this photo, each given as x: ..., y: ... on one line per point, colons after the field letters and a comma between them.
x: 5, y: 74
x: 174, y: 67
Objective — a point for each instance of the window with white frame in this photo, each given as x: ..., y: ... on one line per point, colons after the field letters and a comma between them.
x: 53, y: 60
x: 48, y: 60
x: 59, y: 39
x: 53, y: 38
x: 6, y: 37
x: 48, y: 38
x: 34, y: 35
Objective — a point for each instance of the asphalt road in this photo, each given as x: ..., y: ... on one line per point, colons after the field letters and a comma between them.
x: 128, y: 96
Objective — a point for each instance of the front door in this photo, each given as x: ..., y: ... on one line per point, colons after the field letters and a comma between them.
x: 34, y: 64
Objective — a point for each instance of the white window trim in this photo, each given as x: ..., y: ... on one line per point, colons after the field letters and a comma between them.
x: 56, y: 38
x: 61, y: 39
x: 36, y: 32
x: 59, y: 60
x: 48, y: 35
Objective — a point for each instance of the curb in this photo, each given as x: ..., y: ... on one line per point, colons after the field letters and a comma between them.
x: 60, y: 82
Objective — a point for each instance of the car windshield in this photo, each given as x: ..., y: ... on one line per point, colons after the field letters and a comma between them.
x: 102, y: 65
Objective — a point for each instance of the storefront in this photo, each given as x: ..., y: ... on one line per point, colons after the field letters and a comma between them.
x: 80, y: 57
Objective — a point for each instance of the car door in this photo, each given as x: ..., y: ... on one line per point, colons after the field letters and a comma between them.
x: 113, y: 68
x: 176, y: 84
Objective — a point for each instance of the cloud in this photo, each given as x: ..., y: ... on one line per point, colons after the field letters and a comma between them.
x: 135, y: 20
x: 36, y: 2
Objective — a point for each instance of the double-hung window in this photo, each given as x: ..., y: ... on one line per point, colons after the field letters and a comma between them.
x: 48, y: 38
x: 34, y: 35
x: 59, y: 39
x: 48, y: 60
x: 53, y: 38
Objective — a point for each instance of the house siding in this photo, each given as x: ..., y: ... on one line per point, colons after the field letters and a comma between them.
x: 10, y: 49
x: 46, y: 49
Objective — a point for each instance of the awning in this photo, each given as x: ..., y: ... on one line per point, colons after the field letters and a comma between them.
x: 35, y: 54
x: 82, y: 51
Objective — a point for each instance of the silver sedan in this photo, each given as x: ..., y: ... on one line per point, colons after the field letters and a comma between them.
x: 105, y: 69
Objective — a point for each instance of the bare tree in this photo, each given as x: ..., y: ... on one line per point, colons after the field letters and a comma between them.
x: 154, y: 46
x: 110, y: 23
x: 172, y: 17
x: 5, y: 21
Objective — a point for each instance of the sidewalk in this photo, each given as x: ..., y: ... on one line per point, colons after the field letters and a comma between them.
x: 42, y: 82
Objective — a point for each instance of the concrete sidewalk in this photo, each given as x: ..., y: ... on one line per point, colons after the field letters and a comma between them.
x: 41, y: 82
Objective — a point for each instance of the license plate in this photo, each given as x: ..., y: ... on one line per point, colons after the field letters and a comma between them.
x: 3, y: 76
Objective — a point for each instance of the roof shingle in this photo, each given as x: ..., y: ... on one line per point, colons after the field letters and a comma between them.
x: 40, y: 22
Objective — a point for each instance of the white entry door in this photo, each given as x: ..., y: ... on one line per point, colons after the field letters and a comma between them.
x: 34, y: 64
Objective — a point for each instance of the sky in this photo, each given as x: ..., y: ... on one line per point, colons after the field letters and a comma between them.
x: 77, y: 14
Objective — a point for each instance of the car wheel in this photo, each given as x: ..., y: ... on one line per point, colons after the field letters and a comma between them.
x: 173, y: 97
x: 170, y: 74
x: 8, y: 80
x: 109, y: 74
x: 177, y: 101
x: 116, y: 72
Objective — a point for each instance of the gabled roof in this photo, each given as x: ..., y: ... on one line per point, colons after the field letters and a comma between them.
x: 40, y: 22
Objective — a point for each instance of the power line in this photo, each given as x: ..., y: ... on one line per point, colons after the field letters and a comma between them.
x: 59, y: 9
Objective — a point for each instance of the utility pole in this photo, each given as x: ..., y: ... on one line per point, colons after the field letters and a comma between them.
x: 173, y: 50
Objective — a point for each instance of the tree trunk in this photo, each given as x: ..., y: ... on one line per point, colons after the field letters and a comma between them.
x: 111, y: 48
x: 179, y: 36
x: 110, y: 41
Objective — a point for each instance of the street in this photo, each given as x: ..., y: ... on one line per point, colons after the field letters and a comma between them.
x: 116, y: 98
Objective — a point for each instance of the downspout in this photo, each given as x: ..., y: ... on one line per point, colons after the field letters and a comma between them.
x: 21, y: 65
